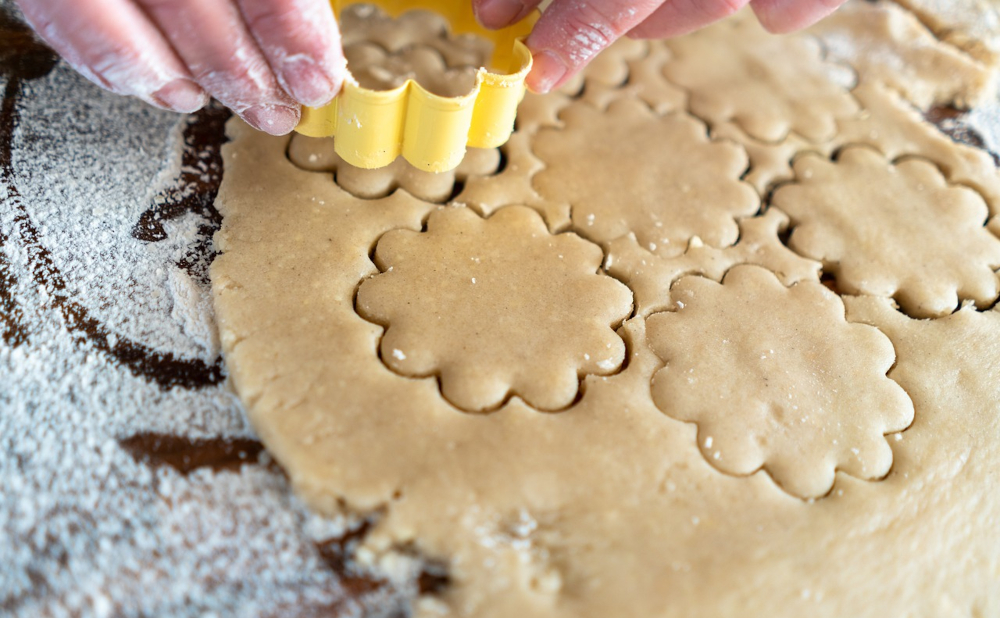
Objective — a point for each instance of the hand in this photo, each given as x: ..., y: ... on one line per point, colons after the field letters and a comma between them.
x: 571, y: 32
x: 260, y: 58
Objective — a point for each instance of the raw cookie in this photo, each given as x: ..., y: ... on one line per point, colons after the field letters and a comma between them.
x: 893, y: 230
x: 448, y: 294
x: 607, y: 508
x: 887, y: 45
x: 769, y: 85
x: 775, y: 378
x: 659, y: 178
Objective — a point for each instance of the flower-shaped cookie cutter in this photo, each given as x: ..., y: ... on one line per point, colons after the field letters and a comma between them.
x: 373, y: 127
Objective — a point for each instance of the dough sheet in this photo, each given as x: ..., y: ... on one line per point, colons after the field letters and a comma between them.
x: 576, y: 412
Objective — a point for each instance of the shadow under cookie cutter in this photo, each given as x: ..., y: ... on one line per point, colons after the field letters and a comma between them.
x: 373, y: 127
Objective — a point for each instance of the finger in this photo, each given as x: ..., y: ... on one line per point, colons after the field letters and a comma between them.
x: 212, y: 39
x: 301, y: 42
x: 677, y: 17
x: 781, y: 16
x: 502, y: 13
x: 571, y: 32
x: 114, y: 45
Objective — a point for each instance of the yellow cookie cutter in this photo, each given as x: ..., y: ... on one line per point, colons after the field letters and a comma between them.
x: 373, y: 127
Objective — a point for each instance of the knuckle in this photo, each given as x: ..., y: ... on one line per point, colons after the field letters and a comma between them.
x: 117, y: 67
x: 268, y: 17
x: 287, y: 28
x: 240, y: 85
x: 586, y: 32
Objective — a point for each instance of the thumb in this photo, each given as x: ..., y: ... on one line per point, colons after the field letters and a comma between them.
x: 571, y: 32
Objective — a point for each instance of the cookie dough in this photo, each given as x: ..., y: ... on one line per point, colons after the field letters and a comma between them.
x: 888, y: 45
x: 611, y: 506
x: 894, y: 230
x: 317, y: 154
x: 660, y: 178
x: 970, y: 25
x: 894, y: 128
x: 650, y: 276
x: 445, y: 296
x: 606, y: 508
x: 775, y: 378
x: 769, y: 85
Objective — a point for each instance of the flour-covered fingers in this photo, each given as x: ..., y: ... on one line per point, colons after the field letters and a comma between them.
x: 677, y: 17
x: 571, y: 32
x: 789, y: 15
x: 301, y: 42
x: 116, y: 46
x: 211, y: 37
x: 502, y: 13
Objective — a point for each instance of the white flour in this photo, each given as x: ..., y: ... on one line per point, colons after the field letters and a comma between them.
x: 84, y: 528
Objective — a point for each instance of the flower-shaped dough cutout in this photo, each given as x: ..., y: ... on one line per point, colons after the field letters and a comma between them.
x: 731, y: 71
x: 317, y: 154
x: 893, y: 230
x: 376, y: 69
x: 628, y: 170
x: 776, y: 379
x: 495, y: 307
x: 361, y: 23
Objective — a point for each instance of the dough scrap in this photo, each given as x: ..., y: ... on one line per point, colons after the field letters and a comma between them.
x: 888, y: 45
x: 317, y: 154
x: 512, y: 185
x: 893, y: 230
x: 645, y: 82
x: 894, y: 128
x: 626, y: 69
x: 650, y: 276
x: 775, y: 378
x: 659, y: 178
x: 490, y: 322
x: 770, y: 163
x: 770, y: 85
x: 970, y: 25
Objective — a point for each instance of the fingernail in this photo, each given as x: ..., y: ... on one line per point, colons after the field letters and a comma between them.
x: 273, y: 119
x: 498, y: 13
x: 181, y: 95
x: 546, y: 72
x: 309, y: 84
